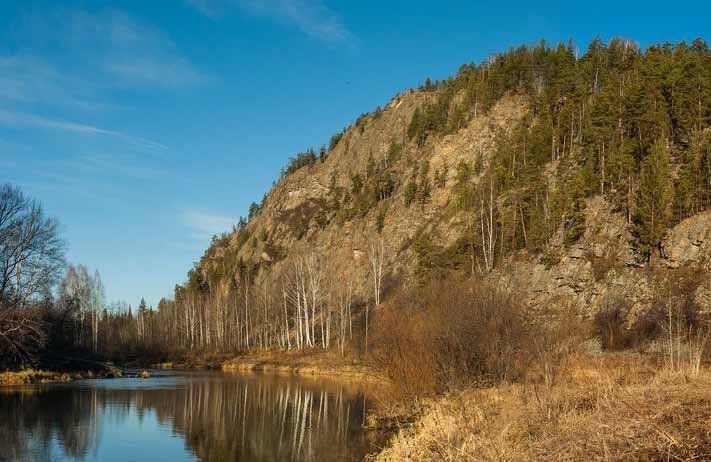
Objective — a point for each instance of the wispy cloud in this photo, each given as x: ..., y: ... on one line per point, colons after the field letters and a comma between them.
x: 135, y: 52
x: 174, y: 72
x: 213, y: 9
x: 25, y: 79
x: 312, y: 17
x: 15, y: 119
x: 52, y: 175
x: 110, y: 166
x: 204, y: 224
x: 114, y: 47
x: 63, y: 183
x: 138, y: 53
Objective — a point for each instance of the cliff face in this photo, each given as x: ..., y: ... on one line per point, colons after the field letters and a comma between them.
x: 320, y: 209
x: 602, y: 270
x: 314, y: 209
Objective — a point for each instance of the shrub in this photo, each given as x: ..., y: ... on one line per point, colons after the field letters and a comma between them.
x: 609, y: 324
x: 674, y: 303
x: 448, y: 334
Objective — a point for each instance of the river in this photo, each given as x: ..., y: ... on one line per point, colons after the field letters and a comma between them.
x: 176, y: 416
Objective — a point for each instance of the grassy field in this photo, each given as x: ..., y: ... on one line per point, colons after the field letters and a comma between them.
x: 600, y: 407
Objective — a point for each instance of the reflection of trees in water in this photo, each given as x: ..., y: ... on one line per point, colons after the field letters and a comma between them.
x: 264, y: 420
x: 220, y: 419
x: 38, y: 417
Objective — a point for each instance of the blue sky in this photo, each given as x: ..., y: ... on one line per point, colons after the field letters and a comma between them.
x: 148, y: 126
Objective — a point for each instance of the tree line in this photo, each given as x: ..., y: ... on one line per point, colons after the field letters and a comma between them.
x: 303, y: 306
x: 48, y: 308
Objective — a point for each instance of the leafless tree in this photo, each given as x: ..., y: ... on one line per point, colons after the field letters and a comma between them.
x: 31, y: 258
x: 376, y: 259
x: 487, y: 222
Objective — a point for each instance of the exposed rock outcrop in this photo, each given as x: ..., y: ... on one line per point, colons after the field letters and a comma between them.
x: 302, y: 214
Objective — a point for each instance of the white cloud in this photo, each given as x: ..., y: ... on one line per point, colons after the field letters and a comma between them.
x: 312, y: 17
x: 203, y: 224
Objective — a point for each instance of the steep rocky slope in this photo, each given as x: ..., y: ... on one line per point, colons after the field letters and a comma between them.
x: 577, y: 158
x: 602, y: 268
x: 298, y: 216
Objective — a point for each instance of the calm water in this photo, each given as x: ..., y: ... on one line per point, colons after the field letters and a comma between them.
x: 180, y: 417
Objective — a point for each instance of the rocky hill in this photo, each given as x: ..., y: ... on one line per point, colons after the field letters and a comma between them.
x: 575, y: 179
x: 310, y: 211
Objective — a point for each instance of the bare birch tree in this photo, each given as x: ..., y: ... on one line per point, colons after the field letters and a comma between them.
x: 488, y: 228
x: 376, y: 260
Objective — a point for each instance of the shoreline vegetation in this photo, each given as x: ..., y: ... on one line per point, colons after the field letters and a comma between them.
x: 471, y: 374
x: 33, y: 376
x: 294, y: 362
x: 318, y: 363
x: 40, y: 376
x: 68, y: 369
x: 603, y: 406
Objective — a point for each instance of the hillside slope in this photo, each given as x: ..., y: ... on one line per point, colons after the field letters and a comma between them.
x: 579, y: 181
x: 311, y: 211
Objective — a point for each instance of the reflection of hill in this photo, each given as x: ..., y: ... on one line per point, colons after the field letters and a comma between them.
x: 220, y: 418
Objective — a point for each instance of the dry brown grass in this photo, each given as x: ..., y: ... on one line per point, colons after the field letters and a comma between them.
x: 26, y: 376
x: 612, y: 406
x: 303, y: 362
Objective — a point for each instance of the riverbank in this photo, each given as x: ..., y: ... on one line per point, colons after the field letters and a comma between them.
x: 320, y: 363
x: 599, y: 407
x: 68, y: 369
x: 595, y: 406
x: 32, y: 376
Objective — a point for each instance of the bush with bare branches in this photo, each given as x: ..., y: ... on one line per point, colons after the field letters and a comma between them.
x: 447, y: 334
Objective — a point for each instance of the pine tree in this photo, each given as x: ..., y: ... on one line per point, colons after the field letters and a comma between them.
x: 654, y: 198
x: 416, y: 129
x: 424, y: 189
x: 410, y: 192
x: 575, y: 218
x: 253, y: 210
x: 701, y: 148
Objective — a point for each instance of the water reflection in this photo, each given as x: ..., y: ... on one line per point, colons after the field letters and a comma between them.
x: 209, y: 417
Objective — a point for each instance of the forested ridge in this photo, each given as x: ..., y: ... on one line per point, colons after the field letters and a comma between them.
x: 626, y: 124
x: 617, y: 122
